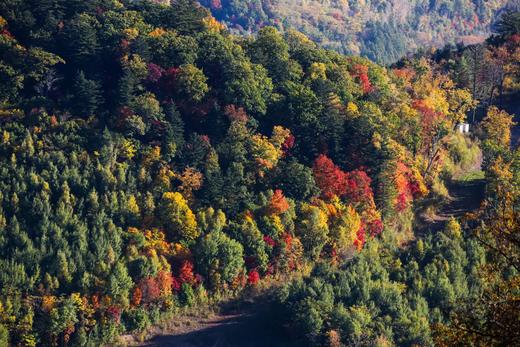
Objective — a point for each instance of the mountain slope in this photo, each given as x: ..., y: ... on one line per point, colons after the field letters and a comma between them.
x: 382, y: 30
x: 152, y: 164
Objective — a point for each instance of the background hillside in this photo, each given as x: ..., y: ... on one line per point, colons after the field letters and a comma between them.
x: 382, y: 30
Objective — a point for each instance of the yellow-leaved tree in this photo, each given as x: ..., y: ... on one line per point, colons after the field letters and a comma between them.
x: 497, y: 135
x: 497, y: 126
x: 177, y: 217
x: 313, y: 229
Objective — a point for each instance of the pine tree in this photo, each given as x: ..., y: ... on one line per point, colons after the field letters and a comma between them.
x: 174, y: 135
x: 80, y: 42
x: 86, y: 97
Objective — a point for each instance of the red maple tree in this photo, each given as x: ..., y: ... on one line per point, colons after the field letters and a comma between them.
x: 361, y: 72
x: 330, y: 179
x: 253, y: 277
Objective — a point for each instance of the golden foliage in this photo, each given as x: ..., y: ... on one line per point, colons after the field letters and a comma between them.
x: 157, y: 32
x: 265, y: 154
x: 131, y: 33
x: 128, y: 149
x: 213, y: 25
x: 279, y: 135
x: 48, y: 303
x: 497, y: 125
x: 352, y: 109
x: 318, y: 71
x: 132, y: 206
x: 191, y: 180
x: 153, y: 155
x: 178, y: 218
x: 163, y: 178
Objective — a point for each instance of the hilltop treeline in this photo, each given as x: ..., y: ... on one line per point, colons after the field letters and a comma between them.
x: 383, y: 31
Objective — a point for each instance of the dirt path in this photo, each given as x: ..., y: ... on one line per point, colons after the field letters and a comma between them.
x: 465, y: 197
x: 250, y: 325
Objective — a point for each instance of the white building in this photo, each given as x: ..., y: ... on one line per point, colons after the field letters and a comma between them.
x: 463, y: 128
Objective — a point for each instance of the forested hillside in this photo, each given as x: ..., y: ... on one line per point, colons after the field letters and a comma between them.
x: 151, y: 163
x: 489, y: 70
x: 381, y: 30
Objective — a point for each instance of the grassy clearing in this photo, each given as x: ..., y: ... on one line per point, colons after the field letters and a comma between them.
x: 464, y: 160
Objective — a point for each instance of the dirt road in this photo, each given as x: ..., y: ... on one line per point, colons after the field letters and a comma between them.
x: 466, y: 196
x: 245, y: 326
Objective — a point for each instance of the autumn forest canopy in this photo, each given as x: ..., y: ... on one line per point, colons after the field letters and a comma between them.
x: 154, y: 164
x: 382, y: 30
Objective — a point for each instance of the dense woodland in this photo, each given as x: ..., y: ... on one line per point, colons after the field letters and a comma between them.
x: 152, y: 162
x: 381, y: 30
